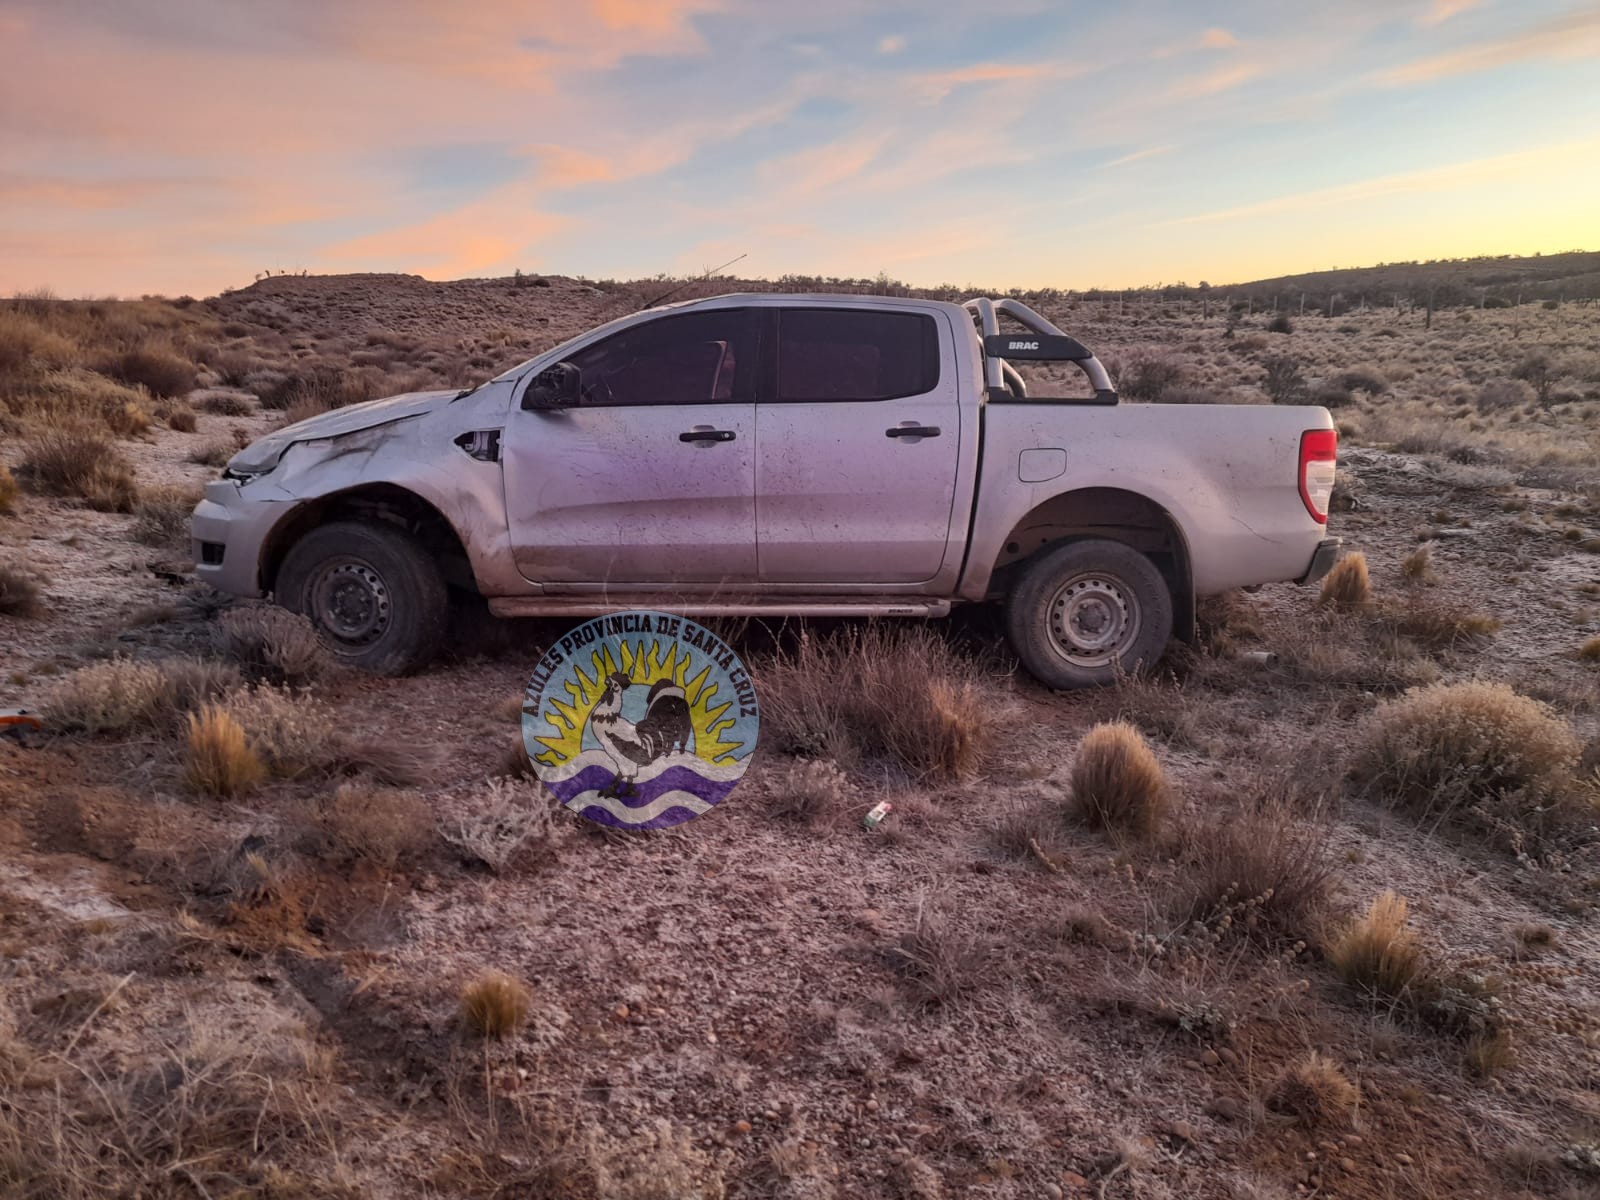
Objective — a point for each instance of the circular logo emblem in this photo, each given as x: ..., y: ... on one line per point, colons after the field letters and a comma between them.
x: 640, y: 720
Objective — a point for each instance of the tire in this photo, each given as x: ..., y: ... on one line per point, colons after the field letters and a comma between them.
x: 1084, y: 612
x: 373, y: 593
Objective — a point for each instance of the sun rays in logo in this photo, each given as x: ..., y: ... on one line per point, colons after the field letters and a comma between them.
x: 645, y: 664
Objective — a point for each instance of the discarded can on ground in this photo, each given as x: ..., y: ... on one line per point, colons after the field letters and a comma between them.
x: 879, y: 811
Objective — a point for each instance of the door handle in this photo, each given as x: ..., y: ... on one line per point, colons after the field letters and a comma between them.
x: 707, y: 435
x: 916, y: 431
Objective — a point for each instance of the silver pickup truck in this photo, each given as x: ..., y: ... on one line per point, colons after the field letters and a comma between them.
x: 780, y: 454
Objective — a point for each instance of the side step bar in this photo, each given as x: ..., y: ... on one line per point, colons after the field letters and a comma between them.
x: 717, y: 606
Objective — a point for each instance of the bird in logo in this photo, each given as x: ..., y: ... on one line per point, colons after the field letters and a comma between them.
x: 664, y: 728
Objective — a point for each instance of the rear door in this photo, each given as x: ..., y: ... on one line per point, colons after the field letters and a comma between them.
x: 650, y: 478
x: 857, y: 445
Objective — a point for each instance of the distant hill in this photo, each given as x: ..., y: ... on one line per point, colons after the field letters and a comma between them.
x: 1572, y: 275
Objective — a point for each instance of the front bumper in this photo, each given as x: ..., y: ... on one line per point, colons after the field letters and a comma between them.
x: 227, y: 533
x: 1327, y: 553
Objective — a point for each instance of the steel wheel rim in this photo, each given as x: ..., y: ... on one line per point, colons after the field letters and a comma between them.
x: 350, y: 602
x: 1094, y: 619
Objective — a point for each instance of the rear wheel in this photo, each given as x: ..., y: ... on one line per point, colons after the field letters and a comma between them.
x: 375, y: 595
x: 1083, y: 612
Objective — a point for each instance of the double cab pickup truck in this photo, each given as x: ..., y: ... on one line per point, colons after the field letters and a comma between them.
x: 781, y: 455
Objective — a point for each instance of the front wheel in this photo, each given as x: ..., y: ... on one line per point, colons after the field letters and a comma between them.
x: 373, y: 593
x: 1083, y: 612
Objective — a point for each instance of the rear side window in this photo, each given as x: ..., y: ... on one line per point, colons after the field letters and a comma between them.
x: 697, y: 358
x: 847, y: 354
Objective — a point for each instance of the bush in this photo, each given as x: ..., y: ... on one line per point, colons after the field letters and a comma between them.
x: 1590, y: 650
x: 1280, y: 324
x: 161, y: 516
x: 182, y: 419
x: 1379, y: 952
x: 494, y: 1004
x: 515, y: 815
x: 938, y: 961
x: 360, y: 823
x: 1283, y: 382
x: 226, y: 404
x: 1475, y: 749
x: 811, y: 792
x: 1117, y: 782
x: 1332, y: 396
x: 161, y: 372
x: 292, y: 734
x: 1148, y: 377
x: 8, y: 489
x: 1503, y: 394
x: 220, y: 761
x: 908, y: 698
x: 74, y: 461
x: 1348, y: 585
x: 1363, y: 379
x: 76, y: 395
x: 1314, y: 1092
x: 120, y: 694
x: 318, y: 390
x: 272, y: 645
x: 19, y: 593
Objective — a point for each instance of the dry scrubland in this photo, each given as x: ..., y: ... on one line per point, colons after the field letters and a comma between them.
x: 1308, y: 911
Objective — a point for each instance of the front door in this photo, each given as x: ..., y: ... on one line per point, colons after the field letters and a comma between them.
x: 857, y: 445
x: 650, y: 478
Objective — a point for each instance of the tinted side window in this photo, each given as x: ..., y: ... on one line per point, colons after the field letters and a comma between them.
x: 845, y: 354
x: 697, y: 358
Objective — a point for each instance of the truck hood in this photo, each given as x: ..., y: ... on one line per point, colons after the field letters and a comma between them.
x: 263, y: 454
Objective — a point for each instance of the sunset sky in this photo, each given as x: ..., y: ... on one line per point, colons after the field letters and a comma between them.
x: 182, y: 146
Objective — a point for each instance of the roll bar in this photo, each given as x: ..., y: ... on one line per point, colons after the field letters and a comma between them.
x: 1048, y: 344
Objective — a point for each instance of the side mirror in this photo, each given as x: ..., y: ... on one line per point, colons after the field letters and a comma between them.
x: 553, y: 387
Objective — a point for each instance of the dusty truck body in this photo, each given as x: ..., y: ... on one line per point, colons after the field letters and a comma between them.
x: 779, y: 454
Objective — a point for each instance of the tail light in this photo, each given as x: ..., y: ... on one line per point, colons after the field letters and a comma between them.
x: 1319, y: 452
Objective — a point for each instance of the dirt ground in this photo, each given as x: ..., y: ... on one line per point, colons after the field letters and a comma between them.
x: 727, y: 1006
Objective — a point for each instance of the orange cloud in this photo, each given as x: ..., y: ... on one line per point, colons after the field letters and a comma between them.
x: 1574, y: 36
x: 939, y: 84
x: 1218, y: 39
x: 1442, y: 10
x: 1213, y: 82
x: 495, y: 232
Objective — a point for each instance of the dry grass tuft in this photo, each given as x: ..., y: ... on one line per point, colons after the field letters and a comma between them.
x: 182, y: 419
x: 494, y: 1004
x: 1315, y: 1092
x: 76, y: 461
x: 1348, y: 585
x: 272, y: 645
x: 1473, y: 750
x: 1590, y: 650
x: 1118, y: 783
x: 120, y: 694
x: 514, y: 816
x: 1417, y: 567
x: 292, y: 733
x: 161, y: 372
x: 357, y: 822
x: 1379, y: 951
x: 1263, y: 858
x: 812, y: 792
x: 220, y: 761
x: 20, y: 594
x: 1490, y: 1053
x: 939, y: 963
x: 897, y: 692
x: 8, y: 489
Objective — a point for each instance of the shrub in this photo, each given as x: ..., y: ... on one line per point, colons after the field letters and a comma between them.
x: 220, y: 762
x: 1264, y: 855
x: 494, y: 1004
x: 318, y: 390
x: 226, y: 404
x: 8, y: 489
x: 1474, y: 749
x: 292, y: 734
x: 1148, y: 377
x: 109, y: 697
x: 1283, y: 382
x: 1417, y: 567
x: 1590, y: 650
x: 213, y: 454
x: 358, y: 822
x: 1332, y: 396
x: 161, y: 372
x: 1503, y: 394
x: 1348, y: 585
x: 939, y: 962
x: 813, y: 791
x: 272, y: 645
x: 75, y: 395
x: 182, y: 419
x: 1363, y: 379
x: 494, y: 835
x: 1315, y: 1092
x: 1280, y: 323
x: 19, y: 593
x: 1378, y: 951
x: 1438, y: 624
x: 161, y: 516
x: 75, y: 461
x: 909, y: 698
x: 1117, y: 782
